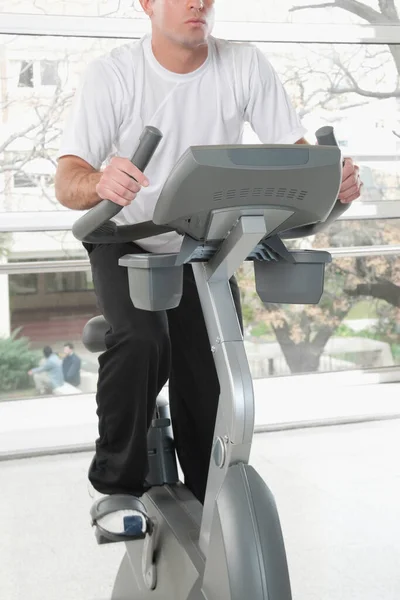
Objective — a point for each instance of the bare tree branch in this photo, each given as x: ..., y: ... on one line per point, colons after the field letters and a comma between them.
x: 46, y: 123
x: 384, y: 290
x: 365, y: 93
x: 388, y: 8
x: 353, y: 6
x: 16, y: 136
x: 354, y: 105
x: 308, y: 6
x: 356, y: 89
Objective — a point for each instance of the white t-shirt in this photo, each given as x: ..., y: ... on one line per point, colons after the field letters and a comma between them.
x: 126, y: 90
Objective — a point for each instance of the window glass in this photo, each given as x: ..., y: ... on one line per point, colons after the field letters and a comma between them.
x: 355, y: 325
x: 44, y: 245
x: 356, y: 322
x: 23, y: 283
x: 25, y: 78
x: 45, y: 309
x: 49, y: 72
x: 77, y: 281
x: 286, y: 11
x: 353, y: 87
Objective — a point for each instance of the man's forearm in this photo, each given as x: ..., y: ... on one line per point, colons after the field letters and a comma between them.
x: 77, y: 190
x: 40, y: 369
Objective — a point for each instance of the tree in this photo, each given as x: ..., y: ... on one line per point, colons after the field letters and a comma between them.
x: 34, y: 109
x: 37, y: 138
x: 344, y: 85
x: 302, y: 331
x: 387, y: 14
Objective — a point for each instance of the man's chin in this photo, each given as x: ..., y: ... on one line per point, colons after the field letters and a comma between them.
x: 197, y: 38
x: 195, y: 42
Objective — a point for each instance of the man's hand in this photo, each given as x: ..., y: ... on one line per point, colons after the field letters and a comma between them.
x: 350, y: 188
x: 30, y: 372
x: 120, y: 181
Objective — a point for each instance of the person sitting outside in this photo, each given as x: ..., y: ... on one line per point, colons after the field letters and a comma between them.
x: 49, y: 375
x: 71, y: 365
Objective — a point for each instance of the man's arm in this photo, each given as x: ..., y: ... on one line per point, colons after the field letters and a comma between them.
x: 46, y: 366
x: 80, y: 187
x: 89, y: 134
x: 75, y: 183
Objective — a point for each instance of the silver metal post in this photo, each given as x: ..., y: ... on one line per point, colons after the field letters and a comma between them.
x: 235, y: 419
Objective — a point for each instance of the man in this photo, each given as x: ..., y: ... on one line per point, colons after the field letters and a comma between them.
x: 196, y: 90
x: 71, y: 365
x: 49, y: 375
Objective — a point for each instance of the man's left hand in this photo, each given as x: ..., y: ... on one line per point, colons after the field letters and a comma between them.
x: 351, y: 185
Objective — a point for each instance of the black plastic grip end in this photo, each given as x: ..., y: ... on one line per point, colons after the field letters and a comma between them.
x: 326, y: 136
x: 148, y: 143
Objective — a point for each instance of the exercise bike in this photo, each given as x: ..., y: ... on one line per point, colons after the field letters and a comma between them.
x: 230, y: 204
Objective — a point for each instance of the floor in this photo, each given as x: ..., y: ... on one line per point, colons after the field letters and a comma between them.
x: 337, y: 489
x: 50, y: 423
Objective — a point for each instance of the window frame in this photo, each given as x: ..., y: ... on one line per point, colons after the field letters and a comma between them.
x: 103, y: 27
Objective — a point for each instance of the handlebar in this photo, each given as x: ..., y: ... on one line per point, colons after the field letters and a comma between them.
x: 101, y: 213
x: 95, y: 225
x: 325, y: 137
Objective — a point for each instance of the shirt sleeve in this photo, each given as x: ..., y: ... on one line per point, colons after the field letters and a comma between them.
x: 269, y: 109
x: 46, y: 366
x: 94, y: 119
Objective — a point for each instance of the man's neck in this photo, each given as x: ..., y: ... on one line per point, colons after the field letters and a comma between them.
x: 178, y: 58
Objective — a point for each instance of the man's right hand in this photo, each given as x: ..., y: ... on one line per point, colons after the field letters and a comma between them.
x: 121, y: 181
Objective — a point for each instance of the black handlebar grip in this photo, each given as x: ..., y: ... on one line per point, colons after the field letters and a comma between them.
x: 325, y: 136
x: 148, y: 142
x: 105, y: 210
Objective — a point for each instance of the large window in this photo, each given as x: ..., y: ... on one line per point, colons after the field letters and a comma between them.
x: 291, y: 11
x: 354, y: 326
x: 354, y: 87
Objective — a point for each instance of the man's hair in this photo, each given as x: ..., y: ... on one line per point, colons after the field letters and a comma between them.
x: 69, y: 345
x: 47, y: 351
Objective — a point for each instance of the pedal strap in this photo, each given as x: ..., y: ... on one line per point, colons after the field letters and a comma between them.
x: 114, y: 503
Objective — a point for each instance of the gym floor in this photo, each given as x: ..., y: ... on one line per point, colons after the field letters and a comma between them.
x: 337, y: 488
